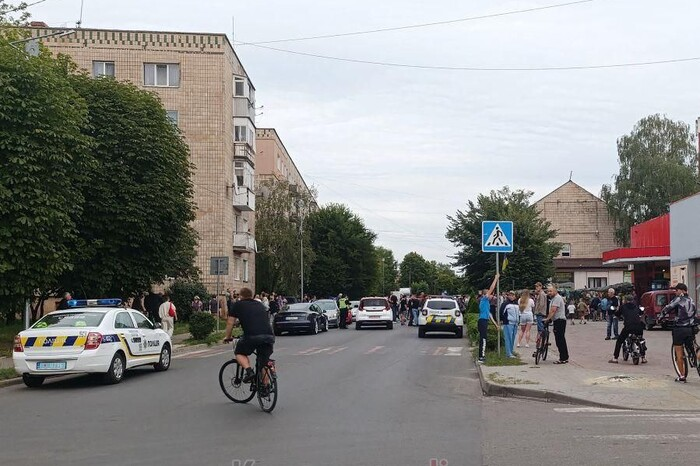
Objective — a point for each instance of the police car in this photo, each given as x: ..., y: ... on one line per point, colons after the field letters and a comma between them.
x: 441, y: 314
x: 93, y: 336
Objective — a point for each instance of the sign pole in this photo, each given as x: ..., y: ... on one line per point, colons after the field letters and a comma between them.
x: 218, y: 280
x: 498, y: 302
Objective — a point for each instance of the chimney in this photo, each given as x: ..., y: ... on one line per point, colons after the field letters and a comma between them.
x: 38, y: 24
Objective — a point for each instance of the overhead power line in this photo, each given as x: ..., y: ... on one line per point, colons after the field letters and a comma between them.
x: 422, y: 25
x: 480, y: 68
x: 24, y: 7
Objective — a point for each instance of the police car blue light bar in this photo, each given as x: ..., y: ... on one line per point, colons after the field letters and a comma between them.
x: 94, y: 302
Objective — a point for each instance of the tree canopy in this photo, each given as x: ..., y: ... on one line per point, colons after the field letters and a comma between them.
x: 346, y: 260
x: 387, y: 272
x: 532, y: 257
x: 658, y: 165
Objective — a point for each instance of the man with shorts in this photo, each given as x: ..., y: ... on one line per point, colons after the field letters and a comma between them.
x: 683, y: 330
x: 257, y: 332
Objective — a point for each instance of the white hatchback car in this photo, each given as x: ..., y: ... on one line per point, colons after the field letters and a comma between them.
x: 441, y: 314
x: 94, y: 336
x: 374, y: 312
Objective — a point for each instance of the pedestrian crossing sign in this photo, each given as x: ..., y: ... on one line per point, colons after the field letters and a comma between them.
x: 496, y: 236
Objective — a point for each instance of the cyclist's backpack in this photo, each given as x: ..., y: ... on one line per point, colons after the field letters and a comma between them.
x: 604, y: 304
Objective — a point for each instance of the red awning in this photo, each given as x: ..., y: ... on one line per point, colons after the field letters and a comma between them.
x: 633, y: 255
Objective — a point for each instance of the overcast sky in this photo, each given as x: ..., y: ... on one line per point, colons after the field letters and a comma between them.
x: 406, y: 147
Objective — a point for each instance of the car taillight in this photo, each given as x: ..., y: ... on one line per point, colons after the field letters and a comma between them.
x: 424, y: 312
x: 94, y: 339
x: 18, y: 348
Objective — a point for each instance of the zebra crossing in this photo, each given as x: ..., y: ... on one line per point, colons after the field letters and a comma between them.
x: 450, y: 351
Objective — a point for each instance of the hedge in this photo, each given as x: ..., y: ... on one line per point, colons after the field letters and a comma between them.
x: 491, y: 335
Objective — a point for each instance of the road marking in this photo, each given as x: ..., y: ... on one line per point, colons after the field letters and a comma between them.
x: 338, y: 350
x: 660, y: 437
x: 590, y: 410
x: 318, y: 351
x: 374, y: 350
x: 307, y: 351
x: 454, y: 351
x: 439, y: 351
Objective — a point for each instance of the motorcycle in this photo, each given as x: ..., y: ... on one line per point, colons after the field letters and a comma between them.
x: 632, y: 346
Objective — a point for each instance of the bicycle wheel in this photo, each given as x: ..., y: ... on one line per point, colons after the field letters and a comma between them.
x: 675, y: 365
x: 267, y: 394
x: 697, y: 351
x: 546, y: 346
x: 231, y: 382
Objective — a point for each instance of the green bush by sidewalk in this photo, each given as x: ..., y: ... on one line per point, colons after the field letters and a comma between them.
x: 491, y: 336
x: 182, y: 293
x: 201, y: 325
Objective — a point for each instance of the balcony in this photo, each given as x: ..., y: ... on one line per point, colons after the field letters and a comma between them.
x: 244, y: 242
x: 244, y: 152
x: 244, y: 199
x: 243, y: 108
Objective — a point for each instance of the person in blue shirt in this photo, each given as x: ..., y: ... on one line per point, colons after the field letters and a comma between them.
x: 484, y: 317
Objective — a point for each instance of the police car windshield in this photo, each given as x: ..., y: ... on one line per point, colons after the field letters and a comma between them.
x: 441, y: 305
x: 70, y: 320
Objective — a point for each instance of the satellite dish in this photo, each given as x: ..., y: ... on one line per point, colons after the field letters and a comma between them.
x: 32, y: 48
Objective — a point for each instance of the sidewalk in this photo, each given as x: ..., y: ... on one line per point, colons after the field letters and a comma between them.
x: 589, y: 379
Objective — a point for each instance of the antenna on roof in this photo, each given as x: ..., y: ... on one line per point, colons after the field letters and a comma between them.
x: 571, y: 175
x: 80, y: 21
x: 233, y: 30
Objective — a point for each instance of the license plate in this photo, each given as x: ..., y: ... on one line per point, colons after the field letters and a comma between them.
x: 292, y: 318
x: 374, y: 317
x: 51, y: 366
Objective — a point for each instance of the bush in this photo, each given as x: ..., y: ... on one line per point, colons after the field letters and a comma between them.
x: 182, y: 293
x: 419, y: 287
x: 201, y: 325
x: 473, y: 307
x: 491, y: 335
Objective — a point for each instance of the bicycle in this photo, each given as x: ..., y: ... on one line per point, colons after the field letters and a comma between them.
x: 542, y: 347
x: 690, y: 358
x: 231, y: 377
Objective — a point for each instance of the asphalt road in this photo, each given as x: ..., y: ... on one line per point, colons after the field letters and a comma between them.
x: 347, y: 397
x: 374, y: 398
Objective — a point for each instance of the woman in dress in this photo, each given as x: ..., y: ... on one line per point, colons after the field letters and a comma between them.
x: 526, y: 305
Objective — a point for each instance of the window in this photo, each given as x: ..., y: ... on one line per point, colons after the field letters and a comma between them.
x: 239, y: 84
x: 597, y: 282
x: 141, y: 321
x: 173, y: 116
x: 565, y: 250
x: 102, y: 68
x: 162, y: 75
x: 238, y: 268
x: 70, y: 320
x: 240, y: 133
x: 661, y: 300
x: 245, y: 270
x: 123, y: 320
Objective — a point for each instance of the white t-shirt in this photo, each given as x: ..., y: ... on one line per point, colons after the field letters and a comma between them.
x: 529, y: 308
x: 164, y: 309
x: 571, y: 308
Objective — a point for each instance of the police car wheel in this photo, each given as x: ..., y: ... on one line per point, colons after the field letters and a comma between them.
x: 32, y: 381
x: 116, y: 370
x: 164, y: 362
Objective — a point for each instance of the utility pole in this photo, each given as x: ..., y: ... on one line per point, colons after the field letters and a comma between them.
x: 301, y: 247
x: 383, y: 289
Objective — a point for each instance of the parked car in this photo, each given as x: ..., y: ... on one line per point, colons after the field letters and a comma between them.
x: 300, y: 317
x: 441, y: 314
x: 330, y: 308
x: 653, y: 302
x: 354, y: 306
x: 94, y: 336
x: 374, y: 312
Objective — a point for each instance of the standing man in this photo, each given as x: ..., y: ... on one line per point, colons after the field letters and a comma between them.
x: 214, y: 306
x: 152, y: 304
x: 683, y: 334
x: 197, y: 305
x: 167, y: 314
x: 540, y: 306
x: 343, y: 306
x: 484, y: 317
x: 394, y: 306
x: 594, y: 307
x: 613, y: 304
x: 557, y: 314
x: 63, y: 303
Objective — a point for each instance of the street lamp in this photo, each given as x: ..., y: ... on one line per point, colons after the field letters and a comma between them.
x: 383, y: 289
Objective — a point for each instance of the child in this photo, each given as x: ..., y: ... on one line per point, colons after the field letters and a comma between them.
x: 571, y: 312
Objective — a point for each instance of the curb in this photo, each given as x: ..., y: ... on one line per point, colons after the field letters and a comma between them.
x: 10, y: 382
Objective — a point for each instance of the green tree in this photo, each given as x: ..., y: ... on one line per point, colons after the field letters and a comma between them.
x: 420, y: 287
x: 534, y: 251
x: 445, y: 279
x: 43, y: 155
x: 346, y: 259
x: 279, y: 210
x: 138, y: 204
x: 182, y: 293
x: 658, y: 165
x: 12, y: 14
x: 415, y: 268
x: 387, y: 273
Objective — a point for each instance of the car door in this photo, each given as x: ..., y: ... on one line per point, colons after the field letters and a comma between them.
x: 318, y: 314
x: 127, y: 331
x: 149, y: 337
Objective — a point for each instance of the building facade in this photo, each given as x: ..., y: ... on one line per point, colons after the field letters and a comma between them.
x: 275, y: 164
x: 209, y: 96
x: 685, y: 244
x: 585, y: 230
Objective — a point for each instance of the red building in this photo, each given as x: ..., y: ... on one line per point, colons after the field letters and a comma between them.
x: 649, y: 254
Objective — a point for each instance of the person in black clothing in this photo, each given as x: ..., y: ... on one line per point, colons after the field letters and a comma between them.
x: 630, y: 314
x: 274, y: 307
x: 152, y: 302
x: 63, y: 303
x: 257, y: 332
x: 394, y: 306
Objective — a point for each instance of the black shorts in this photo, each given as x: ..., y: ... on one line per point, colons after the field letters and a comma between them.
x: 683, y: 336
x: 263, y: 344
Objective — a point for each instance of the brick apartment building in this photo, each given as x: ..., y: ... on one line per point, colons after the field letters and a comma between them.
x: 274, y: 162
x: 585, y: 230
x: 209, y: 96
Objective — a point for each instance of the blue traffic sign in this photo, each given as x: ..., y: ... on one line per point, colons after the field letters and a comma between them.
x: 496, y: 236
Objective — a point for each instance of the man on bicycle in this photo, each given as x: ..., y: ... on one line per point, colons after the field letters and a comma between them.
x: 683, y: 329
x: 257, y: 332
x: 630, y: 314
